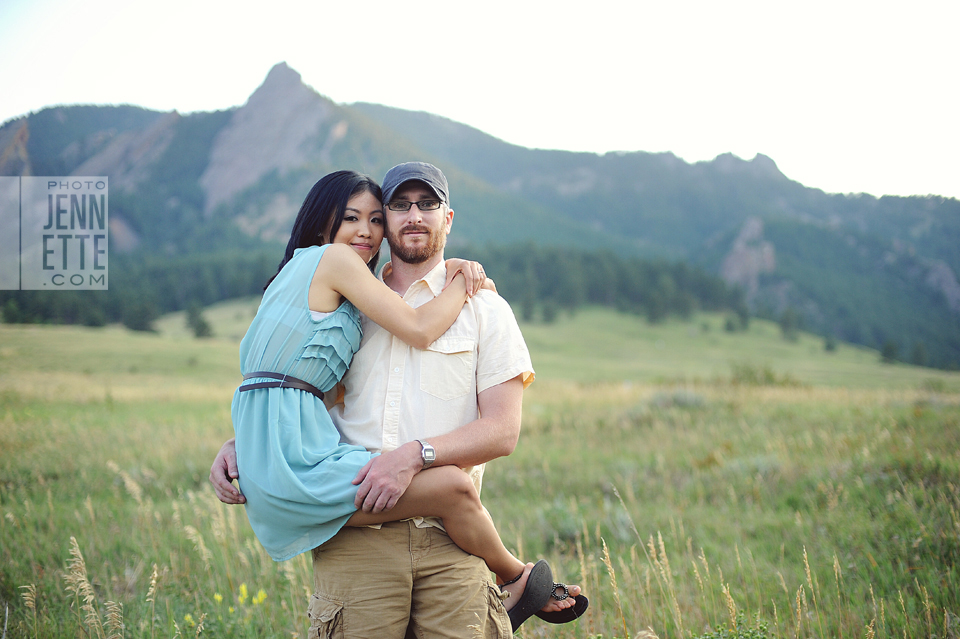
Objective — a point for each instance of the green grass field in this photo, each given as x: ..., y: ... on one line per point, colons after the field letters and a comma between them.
x: 685, y: 476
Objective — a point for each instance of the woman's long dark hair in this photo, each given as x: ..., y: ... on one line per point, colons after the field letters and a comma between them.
x: 328, y: 200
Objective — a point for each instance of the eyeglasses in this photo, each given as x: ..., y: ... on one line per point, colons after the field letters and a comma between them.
x: 423, y: 205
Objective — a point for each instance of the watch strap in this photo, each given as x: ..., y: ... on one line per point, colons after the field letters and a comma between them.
x: 427, y: 453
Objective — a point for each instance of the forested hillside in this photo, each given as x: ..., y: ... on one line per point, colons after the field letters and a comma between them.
x: 874, y: 271
x: 200, y: 205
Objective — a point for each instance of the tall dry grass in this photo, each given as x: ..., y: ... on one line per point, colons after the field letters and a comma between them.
x: 683, y: 510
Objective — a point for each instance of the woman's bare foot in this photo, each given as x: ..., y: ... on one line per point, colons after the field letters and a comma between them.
x: 553, y: 605
x: 516, y: 588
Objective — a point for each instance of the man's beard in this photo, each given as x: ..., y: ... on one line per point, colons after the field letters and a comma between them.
x: 436, y: 240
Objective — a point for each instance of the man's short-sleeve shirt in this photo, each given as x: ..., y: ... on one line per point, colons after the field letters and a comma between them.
x: 394, y: 393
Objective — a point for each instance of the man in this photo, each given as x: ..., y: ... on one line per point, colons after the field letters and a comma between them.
x: 457, y: 402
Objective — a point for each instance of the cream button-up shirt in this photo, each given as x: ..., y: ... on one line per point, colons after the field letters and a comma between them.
x: 394, y: 393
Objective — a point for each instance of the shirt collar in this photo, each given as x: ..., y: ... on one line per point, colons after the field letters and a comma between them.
x: 433, y: 280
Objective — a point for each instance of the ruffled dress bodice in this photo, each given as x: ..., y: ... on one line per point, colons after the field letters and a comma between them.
x: 284, y: 338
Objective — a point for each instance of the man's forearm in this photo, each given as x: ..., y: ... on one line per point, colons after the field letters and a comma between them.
x: 494, y: 434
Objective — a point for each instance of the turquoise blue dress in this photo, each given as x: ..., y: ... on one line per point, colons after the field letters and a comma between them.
x: 294, y: 471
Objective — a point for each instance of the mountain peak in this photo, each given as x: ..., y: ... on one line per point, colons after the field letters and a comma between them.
x: 280, y: 77
x: 265, y: 134
x: 765, y: 164
x: 761, y: 165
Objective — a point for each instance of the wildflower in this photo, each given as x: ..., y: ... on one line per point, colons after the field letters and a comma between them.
x: 243, y: 593
x: 230, y: 610
x: 189, y: 619
x: 258, y: 599
x: 217, y: 597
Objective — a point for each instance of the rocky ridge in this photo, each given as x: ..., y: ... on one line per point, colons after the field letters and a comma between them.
x: 272, y: 131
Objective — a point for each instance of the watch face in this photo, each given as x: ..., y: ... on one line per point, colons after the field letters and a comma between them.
x: 429, y: 453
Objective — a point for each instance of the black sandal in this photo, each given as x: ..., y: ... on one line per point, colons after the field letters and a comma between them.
x: 540, y: 587
x: 567, y: 614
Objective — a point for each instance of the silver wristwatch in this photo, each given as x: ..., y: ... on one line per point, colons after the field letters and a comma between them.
x: 428, y: 453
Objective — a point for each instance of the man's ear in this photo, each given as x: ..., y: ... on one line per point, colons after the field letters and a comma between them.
x: 448, y: 220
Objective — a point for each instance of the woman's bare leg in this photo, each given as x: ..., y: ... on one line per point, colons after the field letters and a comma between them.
x: 448, y: 493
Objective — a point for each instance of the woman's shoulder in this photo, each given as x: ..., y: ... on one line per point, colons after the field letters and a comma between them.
x: 337, y: 255
x: 341, y: 255
x: 340, y: 250
x: 301, y: 264
x: 309, y: 250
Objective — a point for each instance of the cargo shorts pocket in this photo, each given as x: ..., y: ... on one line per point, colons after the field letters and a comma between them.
x: 326, y: 618
x: 498, y: 621
x: 446, y: 367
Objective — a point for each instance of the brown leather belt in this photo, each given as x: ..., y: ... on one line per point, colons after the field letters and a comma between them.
x: 284, y: 381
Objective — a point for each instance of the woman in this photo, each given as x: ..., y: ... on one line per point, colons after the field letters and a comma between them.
x: 295, y: 473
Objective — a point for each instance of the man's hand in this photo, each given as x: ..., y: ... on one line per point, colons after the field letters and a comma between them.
x: 384, y: 478
x: 223, y: 471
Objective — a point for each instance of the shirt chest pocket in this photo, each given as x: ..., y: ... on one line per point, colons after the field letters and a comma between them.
x: 447, y: 368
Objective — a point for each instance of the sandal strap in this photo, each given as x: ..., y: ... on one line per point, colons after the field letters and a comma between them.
x: 512, y: 581
x: 564, y: 595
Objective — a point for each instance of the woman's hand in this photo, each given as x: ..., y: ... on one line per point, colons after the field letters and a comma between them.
x: 224, y: 471
x: 472, y: 273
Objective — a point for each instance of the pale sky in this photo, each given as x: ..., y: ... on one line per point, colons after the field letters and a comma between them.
x: 846, y: 96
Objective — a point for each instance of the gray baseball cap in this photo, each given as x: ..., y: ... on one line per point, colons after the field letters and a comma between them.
x: 421, y: 171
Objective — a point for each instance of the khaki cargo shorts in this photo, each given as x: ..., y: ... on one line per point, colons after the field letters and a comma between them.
x: 402, y: 581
